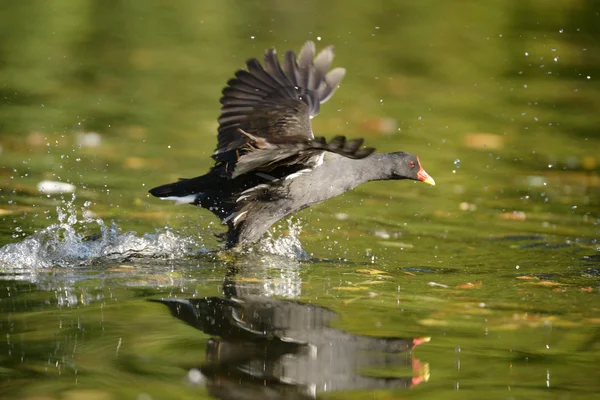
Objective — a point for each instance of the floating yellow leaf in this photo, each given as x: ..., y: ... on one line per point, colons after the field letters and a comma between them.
x: 514, y: 216
x: 249, y: 280
x: 545, y: 283
x: 469, y: 285
x: 527, y: 278
x: 589, y: 163
x: 399, y: 245
x: 351, y: 288
x: 370, y: 271
x: 433, y: 322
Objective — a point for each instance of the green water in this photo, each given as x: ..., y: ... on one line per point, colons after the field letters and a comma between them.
x: 498, y: 265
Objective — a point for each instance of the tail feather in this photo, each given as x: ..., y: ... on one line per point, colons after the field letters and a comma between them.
x: 183, y: 187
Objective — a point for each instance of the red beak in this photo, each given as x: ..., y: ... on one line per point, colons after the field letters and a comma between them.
x: 424, y: 176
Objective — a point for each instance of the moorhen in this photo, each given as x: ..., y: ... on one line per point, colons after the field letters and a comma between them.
x: 268, y: 162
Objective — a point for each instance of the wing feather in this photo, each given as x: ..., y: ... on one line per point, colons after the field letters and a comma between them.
x: 275, y: 100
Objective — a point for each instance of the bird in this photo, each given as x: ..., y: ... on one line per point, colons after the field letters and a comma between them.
x: 268, y: 164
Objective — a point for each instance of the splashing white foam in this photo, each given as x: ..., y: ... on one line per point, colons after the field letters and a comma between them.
x: 64, y: 245
x: 288, y: 246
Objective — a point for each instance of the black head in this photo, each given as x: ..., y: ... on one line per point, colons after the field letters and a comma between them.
x: 408, y: 166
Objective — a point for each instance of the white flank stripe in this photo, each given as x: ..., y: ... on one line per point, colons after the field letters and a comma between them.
x: 189, y: 199
x: 320, y: 159
x: 261, y: 186
x: 237, y: 217
x: 297, y: 174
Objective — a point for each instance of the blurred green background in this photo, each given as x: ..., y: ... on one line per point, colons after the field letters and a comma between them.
x: 498, y: 98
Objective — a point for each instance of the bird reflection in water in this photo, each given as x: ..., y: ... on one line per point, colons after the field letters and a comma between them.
x: 270, y: 348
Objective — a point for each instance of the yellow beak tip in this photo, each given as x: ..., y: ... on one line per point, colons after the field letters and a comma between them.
x: 429, y: 180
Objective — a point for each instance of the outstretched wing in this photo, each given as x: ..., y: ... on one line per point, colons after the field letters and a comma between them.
x: 263, y: 155
x: 275, y: 102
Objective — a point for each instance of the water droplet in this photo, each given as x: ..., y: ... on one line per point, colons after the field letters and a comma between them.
x: 457, y: 163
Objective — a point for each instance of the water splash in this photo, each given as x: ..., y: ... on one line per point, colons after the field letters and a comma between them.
x: 65, y: 244
x: 287, y: 246
x: 68, y: 244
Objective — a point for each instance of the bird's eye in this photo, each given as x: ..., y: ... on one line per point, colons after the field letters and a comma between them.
x: 412, y: 164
